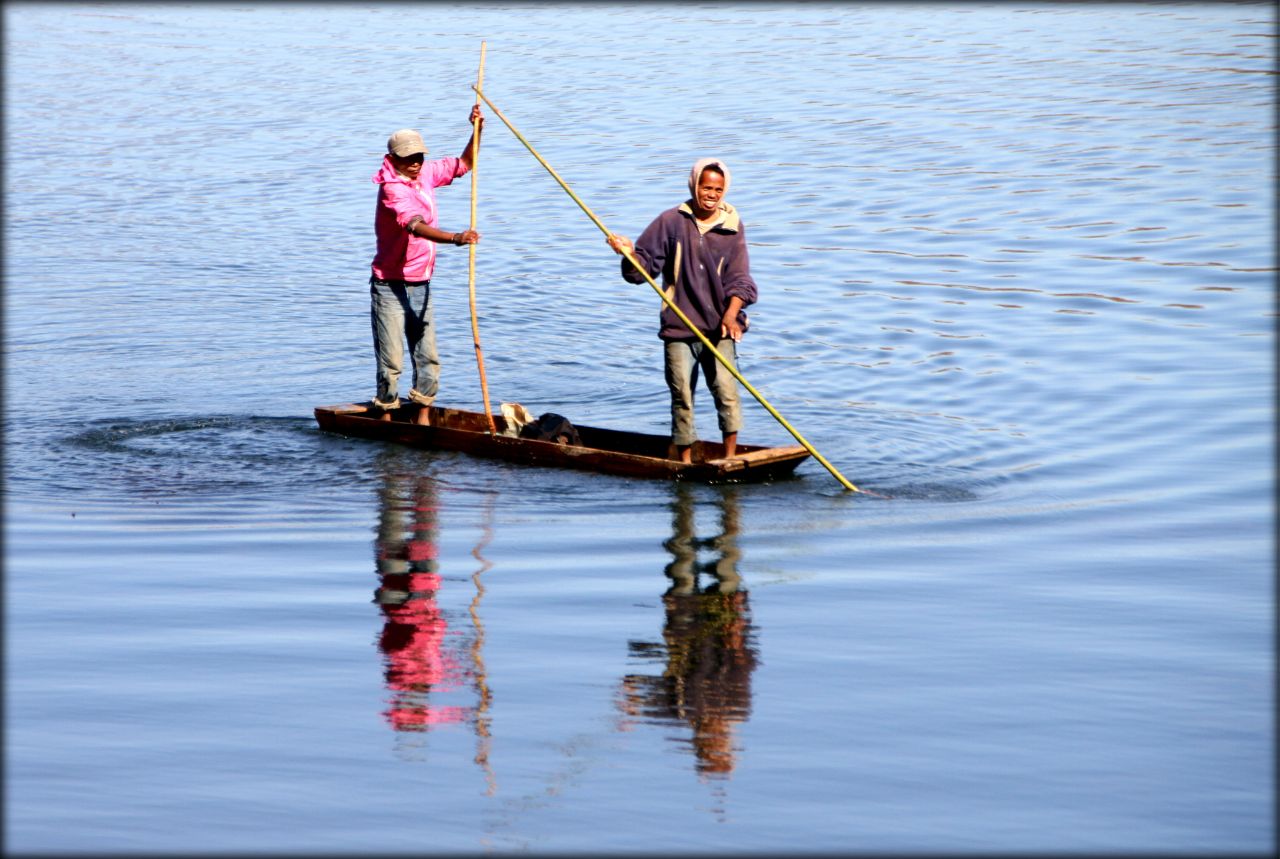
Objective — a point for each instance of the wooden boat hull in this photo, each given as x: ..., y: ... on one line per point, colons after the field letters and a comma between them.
x: 608, y: 451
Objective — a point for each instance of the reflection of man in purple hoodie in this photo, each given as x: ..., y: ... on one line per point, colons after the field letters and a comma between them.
x: 700, y: 248
x: 408, y: 232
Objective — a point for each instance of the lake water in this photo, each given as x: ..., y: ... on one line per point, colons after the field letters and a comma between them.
x: 1017, y: 273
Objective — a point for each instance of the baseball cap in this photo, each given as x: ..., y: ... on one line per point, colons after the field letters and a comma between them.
x: 406, y: 142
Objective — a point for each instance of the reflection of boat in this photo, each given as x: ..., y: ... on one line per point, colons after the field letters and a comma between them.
x: 630, y: 454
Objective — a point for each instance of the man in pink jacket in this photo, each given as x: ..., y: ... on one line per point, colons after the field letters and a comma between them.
x: 408, y: 234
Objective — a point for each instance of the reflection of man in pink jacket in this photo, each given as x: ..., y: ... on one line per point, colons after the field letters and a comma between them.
x: 415, y: 636
x: 408, y: 232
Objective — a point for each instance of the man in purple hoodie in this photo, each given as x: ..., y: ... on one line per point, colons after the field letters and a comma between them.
x: 700, y: 248
x: 408, y: 233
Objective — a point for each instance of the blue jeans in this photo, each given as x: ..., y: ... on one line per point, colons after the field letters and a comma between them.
x: 683, y: 360
x: 401, y: 310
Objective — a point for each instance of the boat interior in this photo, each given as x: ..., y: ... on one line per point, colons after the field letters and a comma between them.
x: 617, y: 441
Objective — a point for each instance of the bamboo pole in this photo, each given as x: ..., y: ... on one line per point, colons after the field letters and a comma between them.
x: 471, y: 250
x: 671, y: 304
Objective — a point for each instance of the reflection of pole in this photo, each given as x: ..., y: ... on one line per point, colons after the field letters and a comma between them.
x: 483, y: 739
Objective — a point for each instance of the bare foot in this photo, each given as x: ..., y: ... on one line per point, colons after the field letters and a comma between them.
x: 423, y: 417
x: 730, y: 444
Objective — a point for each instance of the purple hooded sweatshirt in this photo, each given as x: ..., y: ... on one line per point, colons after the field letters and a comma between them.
x: 700, y: 272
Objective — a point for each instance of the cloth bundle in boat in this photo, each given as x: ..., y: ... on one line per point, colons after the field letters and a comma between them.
x: 547, y: 427
x: 551, y: 427
x: 514, y: 417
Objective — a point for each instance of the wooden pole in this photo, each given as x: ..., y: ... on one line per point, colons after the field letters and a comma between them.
x: 671, y: 304
x: 471, y: 250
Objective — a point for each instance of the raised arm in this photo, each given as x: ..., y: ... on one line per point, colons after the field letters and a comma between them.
x: 468, y: 156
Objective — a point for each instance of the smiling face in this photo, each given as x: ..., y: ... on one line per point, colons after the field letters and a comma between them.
x: 706, y: 197
x: 409, y: 166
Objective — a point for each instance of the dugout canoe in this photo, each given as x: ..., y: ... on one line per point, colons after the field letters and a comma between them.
x: 630, y: 454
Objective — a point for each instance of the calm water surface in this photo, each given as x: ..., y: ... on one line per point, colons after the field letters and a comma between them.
x: 1017, y: 273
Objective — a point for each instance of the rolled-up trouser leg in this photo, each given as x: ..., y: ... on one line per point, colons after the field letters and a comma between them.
x: 421, y: 331
x: 722, y: 384
x: 681, y: 370
x: 386, y: 313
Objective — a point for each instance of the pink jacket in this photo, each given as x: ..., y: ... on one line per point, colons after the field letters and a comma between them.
x: 400, y: 255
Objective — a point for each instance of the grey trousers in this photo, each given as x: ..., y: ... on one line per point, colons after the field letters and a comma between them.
x: 400, y: 311
x: 684, y: 358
